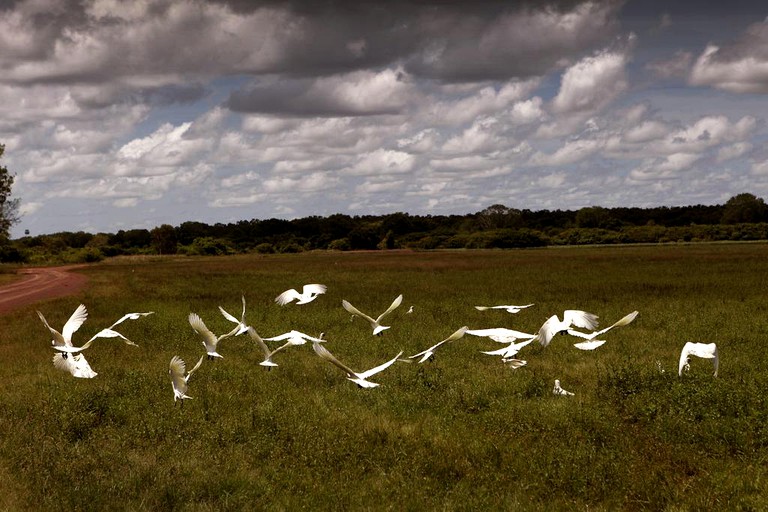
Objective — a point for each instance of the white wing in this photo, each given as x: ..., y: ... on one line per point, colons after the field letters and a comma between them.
x: 325, y: 354
x: 209, y: 339
x: 287, y: 296
x: 377, y: 369
x: 313, y: 289
x: 395, y: 304
x: 176, y: 370
x: 74, y: 323
x: 500, y: 334
x: 589, y: 336
x: 428, y: 353
x: 194, y: 369
x: 295, y: 336
x: 580, y: 319
x: 589, y: 345
x: 548, y: 330
x: 75, y: 364
x: 130, y: 316
x: 109, y: 333
x: 354, y: 311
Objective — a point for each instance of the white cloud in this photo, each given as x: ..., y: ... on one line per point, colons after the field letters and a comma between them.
x: 740, y: 67
x: 383, y: 162
x: 592, y: 83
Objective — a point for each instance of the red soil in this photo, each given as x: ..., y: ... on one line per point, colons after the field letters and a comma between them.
x: 40, y: 284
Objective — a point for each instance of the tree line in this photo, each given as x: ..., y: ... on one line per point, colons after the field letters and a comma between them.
x: 742, y: 217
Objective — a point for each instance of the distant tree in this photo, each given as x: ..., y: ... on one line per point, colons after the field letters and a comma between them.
x: 595, y: 217
x: 498, y: 216
x: 9, y: 208
x: 164, y: 239
x: 744, y: 207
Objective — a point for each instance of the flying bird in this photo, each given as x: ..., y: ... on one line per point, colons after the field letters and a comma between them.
x: 593, y: 343
x: 75, y: 364
x: 507, y: 308
x: 501, y: 334
x: 62, y: 341
x: 507, y: 353
x: 557, y: 390
x: 308, y: 294
x: 378, y: 329
x: 361, y: 379
x: 179, y: 380
x: 703, y: 350
x: 426, y: 354
x: 294, y: 339
x: 210, y: 340
x: 267, y: 362
x: 571, y: 318
x: 241, y: 326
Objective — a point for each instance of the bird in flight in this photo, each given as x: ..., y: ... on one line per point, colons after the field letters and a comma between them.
x: 361, y: 378
x: 507, y: 308
x: 426, y: 354
x: 308, y: 293
x: 378, y: 329
x: 179, y: 380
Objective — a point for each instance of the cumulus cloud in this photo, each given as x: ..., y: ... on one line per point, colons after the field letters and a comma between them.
x: 356, y: 94
x: 740, y: 67
x: 592, y: 83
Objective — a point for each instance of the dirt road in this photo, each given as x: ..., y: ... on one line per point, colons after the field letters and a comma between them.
x: 39, y: 284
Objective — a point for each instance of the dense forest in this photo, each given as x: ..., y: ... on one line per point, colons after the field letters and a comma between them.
x: 743, y: 217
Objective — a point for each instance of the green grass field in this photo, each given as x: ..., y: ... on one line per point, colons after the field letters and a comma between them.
x: 462, y: 432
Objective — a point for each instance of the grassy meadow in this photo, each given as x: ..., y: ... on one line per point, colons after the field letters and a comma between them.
x: 462, y: 432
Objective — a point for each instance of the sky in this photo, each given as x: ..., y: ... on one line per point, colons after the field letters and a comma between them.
x: 129, y: 115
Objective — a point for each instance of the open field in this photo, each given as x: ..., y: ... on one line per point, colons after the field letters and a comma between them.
x: 463, y: 432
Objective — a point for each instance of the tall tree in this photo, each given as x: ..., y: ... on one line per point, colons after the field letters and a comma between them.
x: 9, y: 208
x: 744, y: 207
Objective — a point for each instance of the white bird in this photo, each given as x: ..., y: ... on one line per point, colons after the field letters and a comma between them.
x: 76, y: 364
x: 571, y: 318
x: 591, y: 342
x: 378, y: 329
x: 294, y: 338
x: 241, y: 326
x: 267, y: 362
x: 703, y: 350
x: 210, y: 340
x: 62, y: 341
x: 508, y: 352
x: 179, y: 380
x: 557, y: 390
x: 501, y: 334
x: 361, y: 379
x: 426, y: 354
x: 507, y: 308
x: 410, y: 310
x: 308, y: 294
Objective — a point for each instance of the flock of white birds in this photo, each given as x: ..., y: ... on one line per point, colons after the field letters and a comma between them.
x: 71, y: 359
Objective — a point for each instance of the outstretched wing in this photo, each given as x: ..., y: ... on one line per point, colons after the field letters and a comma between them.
x: 58, y: 339
x: 194, y: 369
x: 74, y: 323
x: 109, y: 333
x: 130, y: 316
x: 377, y: 369
x: 395, y: 304
x: 354, y: 311
x: 580, y: 319
x: 287, y: 296
x: 176, y: 370
x: 325, y: 354
x: 314, y: 289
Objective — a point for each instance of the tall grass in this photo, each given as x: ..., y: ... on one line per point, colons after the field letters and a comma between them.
x: 462, y: 432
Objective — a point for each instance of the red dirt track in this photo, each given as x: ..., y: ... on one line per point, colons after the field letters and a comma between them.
x: 40, y: 284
